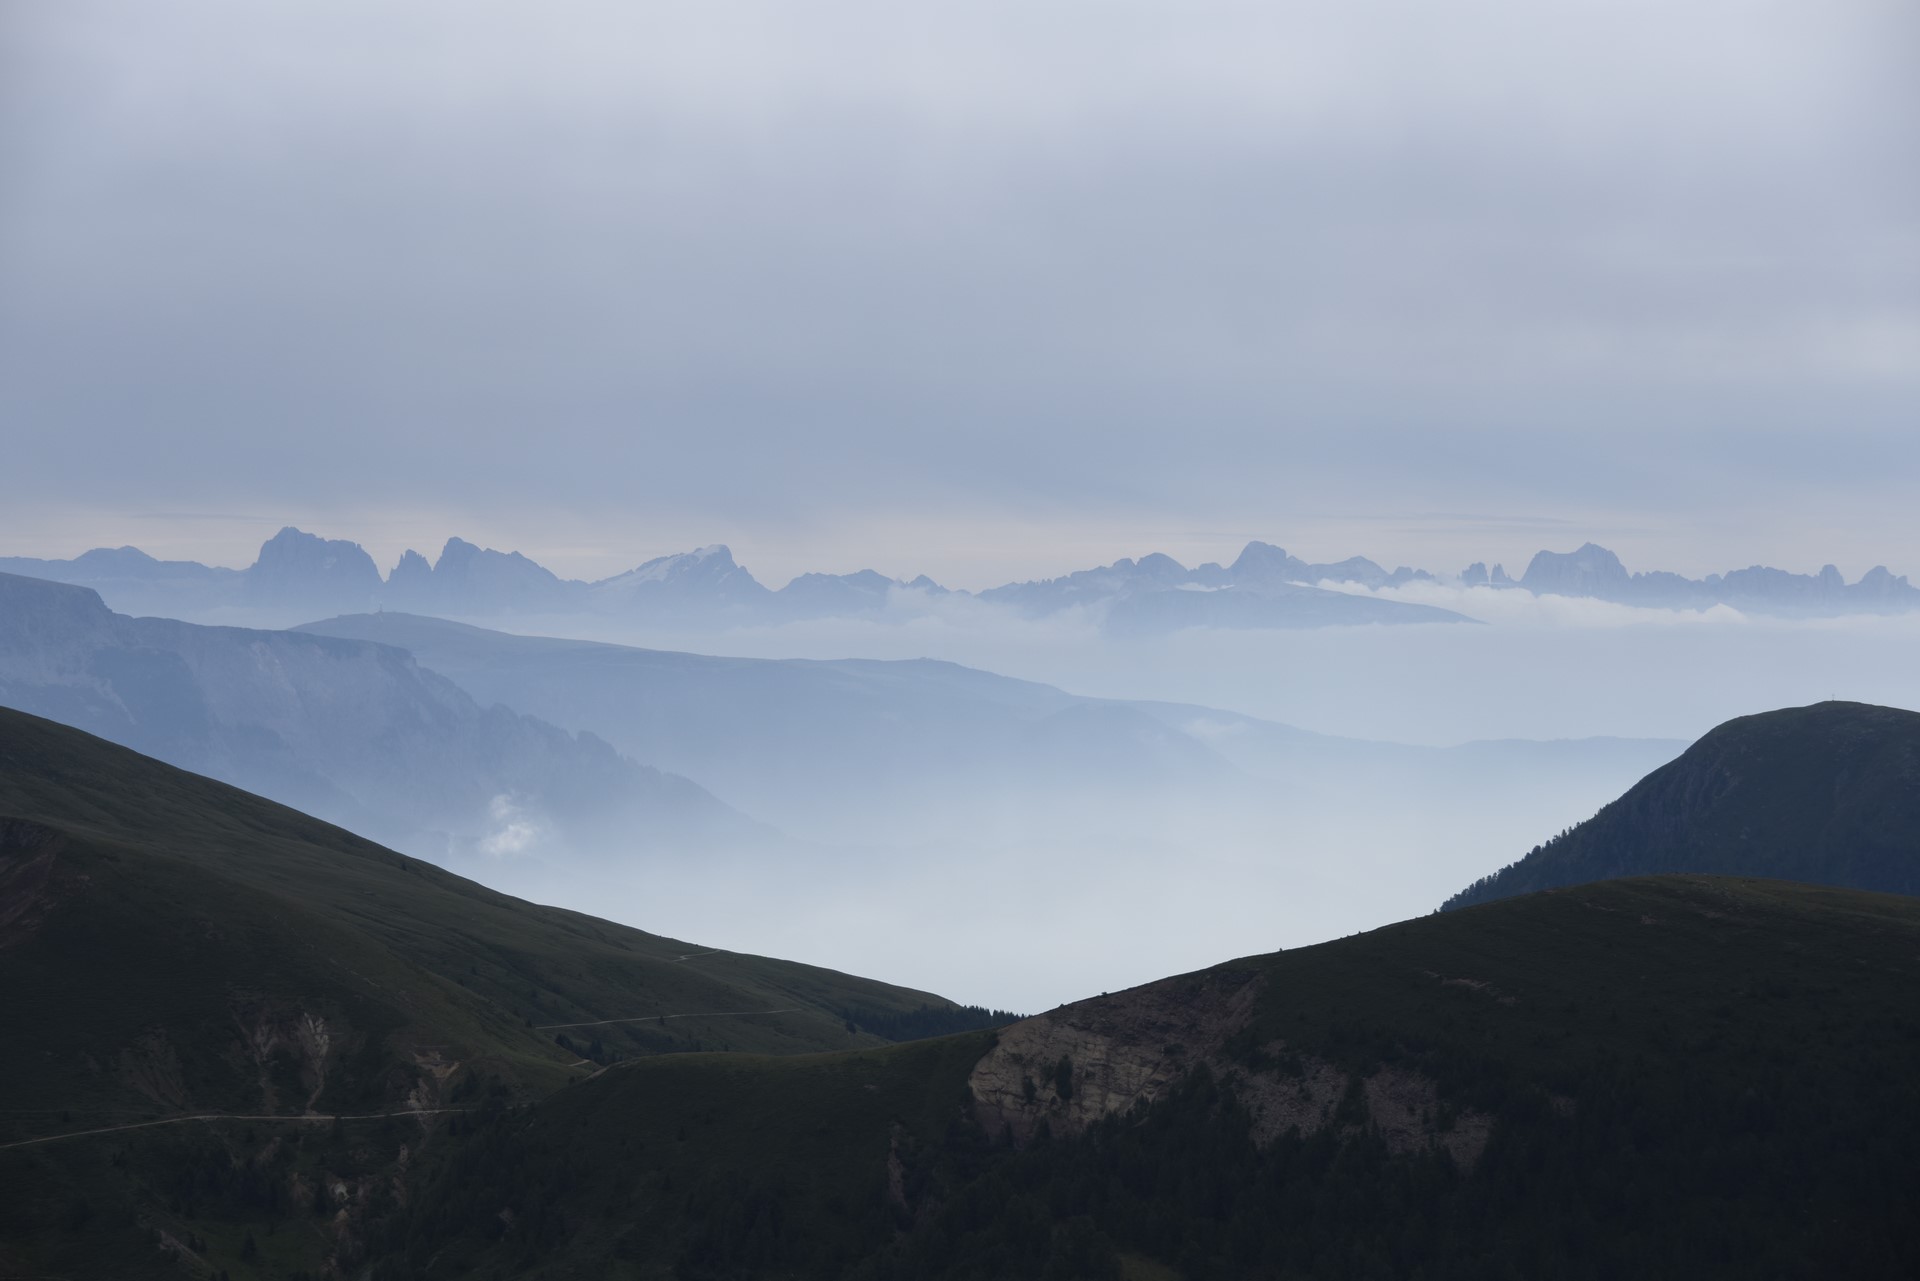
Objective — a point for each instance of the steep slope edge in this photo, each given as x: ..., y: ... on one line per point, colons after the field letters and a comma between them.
x: 1828, y: 794
x: 208, y: 978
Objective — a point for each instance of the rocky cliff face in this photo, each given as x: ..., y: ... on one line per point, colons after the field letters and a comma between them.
x: 1074, y: 1066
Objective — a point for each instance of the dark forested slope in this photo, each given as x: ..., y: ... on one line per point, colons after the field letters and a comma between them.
x: 1671, y: 1076
x: 1665, y: 1077
x: 172, y: 947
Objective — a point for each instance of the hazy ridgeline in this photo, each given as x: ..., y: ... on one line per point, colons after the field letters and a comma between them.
x: 1095, y: 842
x: 1543, y: 667
x: 1070, y: 812
x: 902, y: 642
x: 1081, y: 887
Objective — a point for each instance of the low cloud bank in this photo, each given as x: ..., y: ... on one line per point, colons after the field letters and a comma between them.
x: 1516, y: 607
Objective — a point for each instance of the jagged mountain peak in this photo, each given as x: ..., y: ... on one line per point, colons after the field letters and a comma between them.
x: 461, y: 556
x: 410, y: 564
x: 295, y: 565
x: 713, y: 558
x: 691, y: 584
x: 293, y: 546
x: 1260, y: 563
x: 1589, y: 568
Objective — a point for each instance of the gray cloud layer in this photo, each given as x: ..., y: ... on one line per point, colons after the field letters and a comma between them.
x: 757, y: 267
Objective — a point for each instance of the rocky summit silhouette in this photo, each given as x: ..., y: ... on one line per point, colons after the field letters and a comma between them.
x: 299, y: 576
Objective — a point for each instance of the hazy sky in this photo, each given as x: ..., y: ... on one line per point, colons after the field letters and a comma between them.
x: 987, y: 289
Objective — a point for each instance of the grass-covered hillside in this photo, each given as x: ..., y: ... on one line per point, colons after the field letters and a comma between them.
x: 1828, y: 794
x: 355, y: 1066
x: 1667, y: 1077
x: 171, y: 946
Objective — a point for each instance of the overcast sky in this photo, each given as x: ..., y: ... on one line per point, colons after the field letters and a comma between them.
x: 988, y: 289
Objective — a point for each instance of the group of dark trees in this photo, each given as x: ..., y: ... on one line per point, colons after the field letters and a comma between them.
x: 1651, y: 1174
x: 923, y: 1021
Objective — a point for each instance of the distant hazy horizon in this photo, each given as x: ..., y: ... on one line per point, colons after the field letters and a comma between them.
x: 965, y: 557
x: 981, y: 291
x: 990, y: 291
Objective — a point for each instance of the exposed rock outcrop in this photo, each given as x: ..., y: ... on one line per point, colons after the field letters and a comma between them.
x: 1074, y: 1066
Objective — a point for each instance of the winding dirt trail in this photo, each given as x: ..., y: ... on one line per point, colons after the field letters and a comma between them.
x: 308, y: 1119
x: 312, y: 1118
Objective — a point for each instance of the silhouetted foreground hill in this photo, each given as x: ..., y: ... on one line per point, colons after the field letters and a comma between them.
x: 1670, y: 1077
x: 171, y: 947
x: 1828, y: 794
x: 1678, y: 1076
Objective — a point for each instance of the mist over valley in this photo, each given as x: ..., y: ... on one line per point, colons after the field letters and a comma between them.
x: 1021, y: 640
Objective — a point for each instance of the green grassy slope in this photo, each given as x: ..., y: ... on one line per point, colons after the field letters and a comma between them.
x: 541, y: 964
x: 1828, y: 794
x: 1683, y: 1077
x: 170, y: 946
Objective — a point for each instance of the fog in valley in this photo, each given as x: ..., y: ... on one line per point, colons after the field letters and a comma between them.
x: 1548, y: 667
x: 1100, y: 640
x: 1012, y: 806
x: 994, y: 341
x: 1077, y: 882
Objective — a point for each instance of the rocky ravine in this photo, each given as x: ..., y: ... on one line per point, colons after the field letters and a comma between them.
x: 1075, y: 1065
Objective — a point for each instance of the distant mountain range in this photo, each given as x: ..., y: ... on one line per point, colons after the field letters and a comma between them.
x: 1594, y: 571
x: 298, y: 576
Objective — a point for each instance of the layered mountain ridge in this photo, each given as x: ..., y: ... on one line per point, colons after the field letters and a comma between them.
x: 266, y: 1047
x: 1593, y: 571
x: 851, y: 749
x: 609, y: 778
x: 177, y: 952
x: 352, y: 730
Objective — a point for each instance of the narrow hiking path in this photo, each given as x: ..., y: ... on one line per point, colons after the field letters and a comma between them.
x: 309, y: 1119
